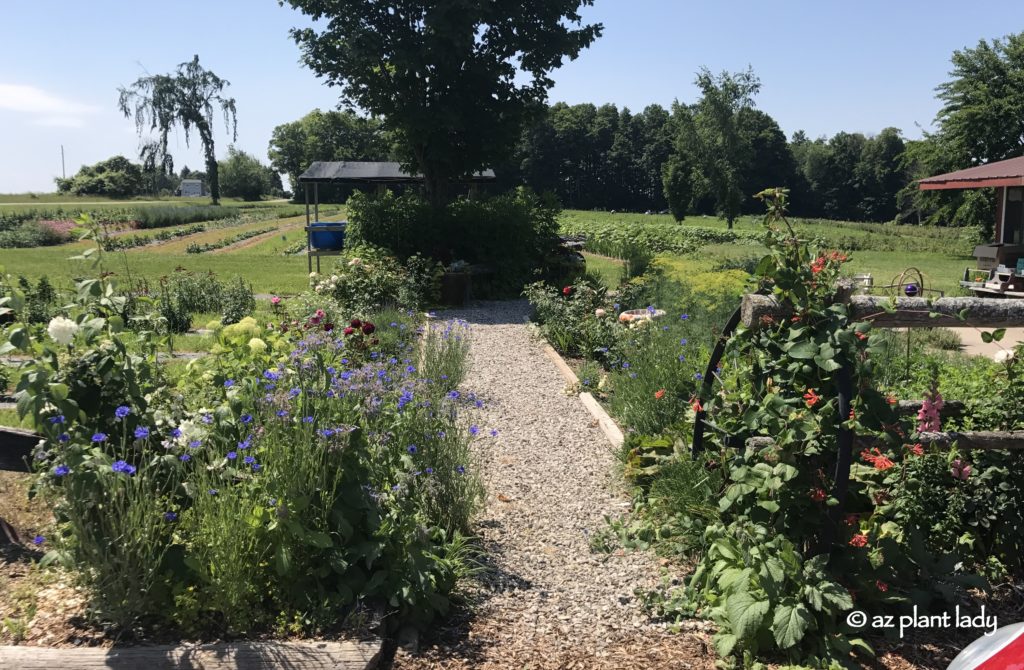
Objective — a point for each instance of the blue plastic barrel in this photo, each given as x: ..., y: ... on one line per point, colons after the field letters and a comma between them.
x: 327, y: 240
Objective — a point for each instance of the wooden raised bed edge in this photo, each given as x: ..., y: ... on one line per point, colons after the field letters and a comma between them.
x: 361, y: 655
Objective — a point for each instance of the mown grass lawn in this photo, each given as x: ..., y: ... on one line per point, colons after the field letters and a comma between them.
x: 609, y: 269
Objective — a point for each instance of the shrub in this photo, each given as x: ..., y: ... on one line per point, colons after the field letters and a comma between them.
x: 237, y: 301
x: 511, y: 234
x: 368, y: 278
x: 576, y: 318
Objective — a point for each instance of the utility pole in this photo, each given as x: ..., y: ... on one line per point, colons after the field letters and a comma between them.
x: 63, y: 173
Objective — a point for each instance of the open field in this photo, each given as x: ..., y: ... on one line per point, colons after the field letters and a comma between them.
x: 48, y: 199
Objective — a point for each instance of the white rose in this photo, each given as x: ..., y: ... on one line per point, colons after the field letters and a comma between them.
x: 62, y: 330
x: 1004, y: 356
x: 354, y: 262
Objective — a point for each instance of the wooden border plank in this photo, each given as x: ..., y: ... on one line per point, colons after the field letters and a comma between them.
x: 220, y: 656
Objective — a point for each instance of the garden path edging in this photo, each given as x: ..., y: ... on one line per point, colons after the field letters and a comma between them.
x: 607, y: 424
x: 347, y: 655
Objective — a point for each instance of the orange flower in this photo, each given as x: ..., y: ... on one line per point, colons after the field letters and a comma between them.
x: 659, y: 394
x: 917, y: 449
x: 891, y: 399
x: 695, y: 404
x: 811, y: 398
x: 877, y: 459
x: 861, y: 336
x: 859, y: 540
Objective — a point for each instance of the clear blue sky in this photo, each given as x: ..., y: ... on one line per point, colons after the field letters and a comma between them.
x: 824, y: 66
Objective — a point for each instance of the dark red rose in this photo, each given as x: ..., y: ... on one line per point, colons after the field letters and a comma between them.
x: 349, y: 330
x: 566, y: 291
x: 328, y: 327
x: 368, y: 328
x: 356, y: 323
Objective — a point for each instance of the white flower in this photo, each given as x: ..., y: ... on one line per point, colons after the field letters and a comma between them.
x: 312, y: 275
x: 257, y: 345
x: 1004, y: 356
x: 599, y: 312
x: 62, y: 330
x: 354, y: 262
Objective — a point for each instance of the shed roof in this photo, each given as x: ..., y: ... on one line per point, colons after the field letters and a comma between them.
x: 368, y: 172
x: 1001, y: 173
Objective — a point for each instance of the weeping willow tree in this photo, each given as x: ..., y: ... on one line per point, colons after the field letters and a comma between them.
x: 184, y: 98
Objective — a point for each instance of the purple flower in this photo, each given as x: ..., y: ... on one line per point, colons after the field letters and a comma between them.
x: 38, y: 540
x: 207, y: 418
x: 57, y: 419
x: 184, y: 458
x: 246, y: 418
x: 249, y: 460
x: 698, y: 376
x: 271, y: 375
x: 256, y: 467
x: 170, y: 516
x: 412, y: 449
x: 453, y: 394
x: 194, y: 444
x: 141, y: 433
x: 461, y: 469
x: 176, y: 433
x: 473, y: 430
x: 684, y: 317
x: 213, y: 492
x: 307, y: 419
x: 282, y: 413
x: 64, y: 437
x: 122, y: 411
x: 122, y: 466
x: 246, y: 443
x: 232, y: 455
x: 228, y: 383
x: 99, y: 437
x: 429, y: 471
x: 61, y: 470
x: 494, y: 433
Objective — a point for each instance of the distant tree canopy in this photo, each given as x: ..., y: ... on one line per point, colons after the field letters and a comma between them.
x: 327, y: 136
x: 455, y: 80
x: 116, y: 177
x: 981, y: 121
x: 186, y: 98
x: 243, y: 176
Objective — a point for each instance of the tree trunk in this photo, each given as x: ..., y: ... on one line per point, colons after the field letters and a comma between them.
x: 435, y: 180
x: 211, y: 162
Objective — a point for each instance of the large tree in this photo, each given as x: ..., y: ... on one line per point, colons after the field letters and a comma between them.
x: 184, y: 98
x: 455, y: 79
x: 326, y: 136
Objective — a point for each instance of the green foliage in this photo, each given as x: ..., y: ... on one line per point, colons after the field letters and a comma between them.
x: 184, y: 293
x: 243, y: 176
x: 197, y: 248
x: 368, y: 278
x: 576, y: 318
x: 511, y: 234
x: 40, y: 300
x: 445, y: 353
x: 612, y: 238
x: 116, y: 177
x: 326, y: 136
x: 163, y: 217
x: 161, y: 102
x: 449, y: 121
x: 237, y: 301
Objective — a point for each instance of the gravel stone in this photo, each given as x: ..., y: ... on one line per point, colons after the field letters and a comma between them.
x: 548, y: 602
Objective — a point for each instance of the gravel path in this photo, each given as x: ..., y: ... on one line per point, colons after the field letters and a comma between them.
x: 550, y: 475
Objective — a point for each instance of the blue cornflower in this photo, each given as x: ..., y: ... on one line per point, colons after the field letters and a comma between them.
x: 122, y: 411
x: 249, y: 460
x: 441, y: 434
x: 374, y: 355
x: 682, y: 342
x: 411, y: 369
x: 429, y: 471
x: 632, y: 375
x: 412, y: 449
x: 650, y: 309
x: 228, y: 383
x: 271, y: 375
x: 682, y: 358
x: 294, y: 392
x: 64, y: 437
x: 473, y: 430
x: 344, y: 361
x: 246, y: 418
x: 141, y: 433
x: 615, y: 307
x: 625, y: 365
x: 58, y: 419
x: 61, y: 470
x: 184, y: 458
x: 345, y: 376
x: 698, y: 376
x: 176, y: 433
x: 207, y: 418
x: 327, y: 432
x: 331, y: 371
x: 494, y: 433
x: 232, y: 455
x: 282, y: 413
x: 444, y: 377
x: 246, y: 443
x: 461, y: 469
x: 393, y: 324
x: 256, y: 467
x: 170, y: 516
x: 393, y: 361
x: 99, y: 437
x: 38, y: 540
x: 453, y: 394
x: 479, y: 403
x: 122, y: 466
x: 307, y: 419
x: 213, y: 492
x: 195, y: 444
x: 684, y: 317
